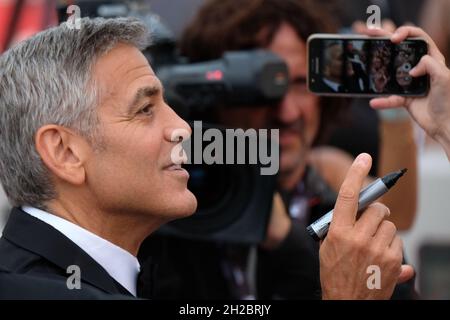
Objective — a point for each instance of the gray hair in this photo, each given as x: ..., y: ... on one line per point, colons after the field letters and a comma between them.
x: 328, y: 57
x: 47, y: 79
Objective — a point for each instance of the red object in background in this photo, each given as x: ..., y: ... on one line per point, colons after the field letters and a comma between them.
x: 34, y: 16
x: 214, y: 75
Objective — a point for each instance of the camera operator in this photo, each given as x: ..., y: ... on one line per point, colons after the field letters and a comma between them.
x: 288, y: 262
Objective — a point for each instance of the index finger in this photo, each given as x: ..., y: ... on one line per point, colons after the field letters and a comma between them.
x: 347, y: 203
x: 388, y: 102
x: 371, y: 32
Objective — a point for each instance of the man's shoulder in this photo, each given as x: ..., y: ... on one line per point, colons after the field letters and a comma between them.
x: 33, y: 253
x: 26, y: 286
x: 26, y: 275
x: 15, y: 259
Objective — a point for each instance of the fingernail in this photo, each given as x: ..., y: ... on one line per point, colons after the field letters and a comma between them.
x: 363, y: 159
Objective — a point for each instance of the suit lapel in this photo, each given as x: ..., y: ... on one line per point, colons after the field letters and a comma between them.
x: 42, y: 239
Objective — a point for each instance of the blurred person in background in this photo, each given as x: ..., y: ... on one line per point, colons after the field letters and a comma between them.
x: 381, y: 134
x: 20, y: 19
x: 288, y: 262
x: 434, y: 21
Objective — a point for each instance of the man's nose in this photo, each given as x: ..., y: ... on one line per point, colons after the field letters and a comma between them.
x: 177, y: 129
x: 288, y: 110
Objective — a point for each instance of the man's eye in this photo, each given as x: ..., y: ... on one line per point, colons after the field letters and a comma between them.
x: 147, y: 110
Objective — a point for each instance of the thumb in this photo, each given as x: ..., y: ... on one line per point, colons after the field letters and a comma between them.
x: 406, y: 274
x: 427, y: 65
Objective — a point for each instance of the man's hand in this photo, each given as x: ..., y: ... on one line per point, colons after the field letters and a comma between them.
x: 432, y: 113
x: 352, y: 245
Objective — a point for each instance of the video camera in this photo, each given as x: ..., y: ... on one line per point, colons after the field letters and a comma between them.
x: 234, y: 200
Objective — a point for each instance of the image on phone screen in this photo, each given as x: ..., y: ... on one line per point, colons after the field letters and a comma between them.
x: 365, y: 66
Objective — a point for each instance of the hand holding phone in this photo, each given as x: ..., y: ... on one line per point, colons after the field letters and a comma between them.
x: 364, y: 66
x: 432, y: 112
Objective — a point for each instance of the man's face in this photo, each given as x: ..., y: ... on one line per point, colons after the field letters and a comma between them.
x: 380, y: 80
x: 334, y: 68
x: 297, y: 115
x: 132, y: 172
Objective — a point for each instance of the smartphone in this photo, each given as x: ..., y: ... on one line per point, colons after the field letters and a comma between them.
x: 363, y: 66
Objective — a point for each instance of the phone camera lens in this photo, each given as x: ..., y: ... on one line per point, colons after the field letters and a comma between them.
x: 407, y: 67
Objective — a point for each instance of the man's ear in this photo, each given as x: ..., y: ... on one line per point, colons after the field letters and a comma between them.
x: 63, y: 152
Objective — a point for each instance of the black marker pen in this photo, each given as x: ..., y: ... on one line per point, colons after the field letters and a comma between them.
x: 319, y: 229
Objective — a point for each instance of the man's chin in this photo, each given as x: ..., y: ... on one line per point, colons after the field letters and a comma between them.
x: 290, y: 163
x: 186, y: 205
x: 192, y: 205
x: 291, y: 168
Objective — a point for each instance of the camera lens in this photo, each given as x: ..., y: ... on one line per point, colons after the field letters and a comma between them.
x: 200, y: 182
x: 222, y: 193
x: 407, y: 67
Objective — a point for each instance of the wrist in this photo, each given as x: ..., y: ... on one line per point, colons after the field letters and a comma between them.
x: 443, y: 137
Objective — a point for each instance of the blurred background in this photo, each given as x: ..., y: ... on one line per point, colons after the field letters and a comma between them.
x: 427, y: 243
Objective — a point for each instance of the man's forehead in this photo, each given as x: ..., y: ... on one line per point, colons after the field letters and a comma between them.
x: 124, y: 68
x: 121, y: 61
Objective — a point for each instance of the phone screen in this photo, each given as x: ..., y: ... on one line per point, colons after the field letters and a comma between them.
x: 365, y: 66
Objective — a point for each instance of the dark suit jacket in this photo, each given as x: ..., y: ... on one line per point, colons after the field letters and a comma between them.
x: 322, y: 87
x: 34, y: 258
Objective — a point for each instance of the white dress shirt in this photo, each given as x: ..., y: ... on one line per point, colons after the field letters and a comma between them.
x: 333, y: 85
x: 119, y: 263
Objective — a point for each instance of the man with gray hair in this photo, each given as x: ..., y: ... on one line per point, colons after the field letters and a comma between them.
x: 85, y: 145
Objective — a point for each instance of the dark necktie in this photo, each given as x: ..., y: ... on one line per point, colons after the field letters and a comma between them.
x: 145, y: 279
